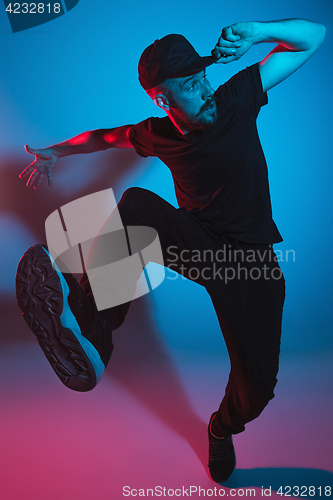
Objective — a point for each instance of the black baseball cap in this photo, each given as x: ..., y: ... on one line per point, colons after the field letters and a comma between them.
x: 170, y: 57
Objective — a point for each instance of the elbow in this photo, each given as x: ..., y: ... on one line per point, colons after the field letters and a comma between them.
x: 321, y: 34
x: 109, y: 137
x: 316, y: 37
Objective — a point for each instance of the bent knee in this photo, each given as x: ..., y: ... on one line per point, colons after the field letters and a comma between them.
x: 135, y: 195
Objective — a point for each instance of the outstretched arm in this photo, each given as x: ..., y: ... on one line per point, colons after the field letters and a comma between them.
x: 298, y: 40
x: 87, y: 142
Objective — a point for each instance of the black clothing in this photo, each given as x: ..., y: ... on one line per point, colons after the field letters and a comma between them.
x: 220, y: 174
x: 221, y: 183
x: 247, y: 294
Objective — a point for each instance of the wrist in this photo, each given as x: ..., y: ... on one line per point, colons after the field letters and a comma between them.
x: 56, y: 150
x: 258, y: 32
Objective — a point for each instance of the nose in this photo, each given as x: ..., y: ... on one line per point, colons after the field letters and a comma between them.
x: 207, y: 90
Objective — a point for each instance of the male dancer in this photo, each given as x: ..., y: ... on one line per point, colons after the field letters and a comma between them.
x: 209, y: 141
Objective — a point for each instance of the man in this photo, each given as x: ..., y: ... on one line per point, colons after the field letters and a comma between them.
x: 210, y: 143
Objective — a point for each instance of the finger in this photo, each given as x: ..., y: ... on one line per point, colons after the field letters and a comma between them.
x: 49, y: 177
x: 26, y: 172
x: 33, y: 177
x: 227, y: 43
x: 223, y: 52
x: 229, y: 59
x: 28, y: 149
x: 38, y: 183
x: 227, y: 34
x: 226, y: 59
x: 32, y: 151
x: 215, y: 53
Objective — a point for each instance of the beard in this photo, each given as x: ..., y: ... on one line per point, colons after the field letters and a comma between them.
x: 206, y: 118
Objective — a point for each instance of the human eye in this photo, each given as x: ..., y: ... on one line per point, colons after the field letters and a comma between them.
x: 192, y: 87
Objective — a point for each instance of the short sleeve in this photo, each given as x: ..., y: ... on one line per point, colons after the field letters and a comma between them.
x: 140, y: 138
x: 246, y: 88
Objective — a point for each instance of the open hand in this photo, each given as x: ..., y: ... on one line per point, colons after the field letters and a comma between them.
x: 45, y: 159
x: 234, y: 41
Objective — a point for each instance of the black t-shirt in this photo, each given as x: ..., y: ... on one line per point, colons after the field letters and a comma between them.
x: 220, y: 174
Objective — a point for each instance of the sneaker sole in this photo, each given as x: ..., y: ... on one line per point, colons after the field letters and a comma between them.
x: 42, y: 295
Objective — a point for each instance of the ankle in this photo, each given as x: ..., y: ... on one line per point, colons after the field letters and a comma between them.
x: 215, y: 432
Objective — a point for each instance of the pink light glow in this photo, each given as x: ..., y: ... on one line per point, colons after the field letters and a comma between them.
x: 80, y: 139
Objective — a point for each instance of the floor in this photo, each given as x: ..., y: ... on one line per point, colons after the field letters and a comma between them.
x: 143, y: 430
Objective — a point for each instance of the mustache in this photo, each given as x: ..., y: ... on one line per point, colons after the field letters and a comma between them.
x: 208, y: 104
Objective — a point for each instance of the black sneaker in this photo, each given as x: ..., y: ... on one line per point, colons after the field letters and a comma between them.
x: 73, y: 335
x: 222, y: 458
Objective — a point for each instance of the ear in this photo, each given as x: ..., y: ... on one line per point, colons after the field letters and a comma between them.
x: 162, y: 102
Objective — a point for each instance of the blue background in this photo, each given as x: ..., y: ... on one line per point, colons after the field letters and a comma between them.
x: 79, y: 72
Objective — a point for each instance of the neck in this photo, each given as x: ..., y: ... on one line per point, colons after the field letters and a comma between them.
x: 183, y: 129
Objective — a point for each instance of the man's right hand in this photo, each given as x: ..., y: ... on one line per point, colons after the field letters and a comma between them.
x: 44, y: 161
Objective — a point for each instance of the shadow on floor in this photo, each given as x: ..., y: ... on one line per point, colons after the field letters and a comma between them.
x: 277, y: 477
x: 143, y: 365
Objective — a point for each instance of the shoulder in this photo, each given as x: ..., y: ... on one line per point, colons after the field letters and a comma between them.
x: 245, y: 87
x: 149, y: 125
x: 144, y: 134
x: 248, y: 78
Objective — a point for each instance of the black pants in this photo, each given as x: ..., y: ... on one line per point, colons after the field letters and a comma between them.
x: 247, y: 289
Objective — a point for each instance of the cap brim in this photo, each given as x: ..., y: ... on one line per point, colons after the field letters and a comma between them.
x: 196, y: 66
